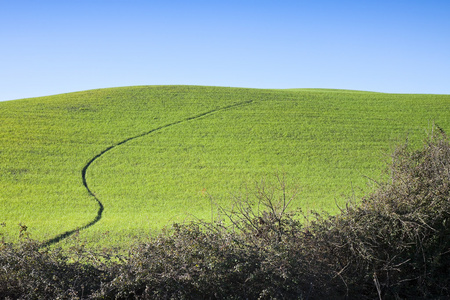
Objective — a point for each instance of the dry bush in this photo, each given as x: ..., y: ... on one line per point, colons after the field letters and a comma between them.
x: 396, y: 241
x: 29, y: 272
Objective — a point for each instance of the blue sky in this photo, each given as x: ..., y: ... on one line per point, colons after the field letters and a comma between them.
x: 51, y: 47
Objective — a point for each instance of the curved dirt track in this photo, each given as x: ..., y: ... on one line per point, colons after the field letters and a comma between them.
x: 97, y: 218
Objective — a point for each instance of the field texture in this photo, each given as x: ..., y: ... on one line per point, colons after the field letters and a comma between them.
x: 125, y: 161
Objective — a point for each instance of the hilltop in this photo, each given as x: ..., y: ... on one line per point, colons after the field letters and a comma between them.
x: 136, y: 159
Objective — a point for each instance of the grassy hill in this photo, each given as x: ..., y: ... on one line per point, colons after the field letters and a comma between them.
x: 152, y: 154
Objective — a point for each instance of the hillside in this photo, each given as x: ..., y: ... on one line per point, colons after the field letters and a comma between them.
x: 152, y: 155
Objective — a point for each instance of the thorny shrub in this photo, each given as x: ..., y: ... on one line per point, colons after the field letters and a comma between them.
x: 29, y: 272
x: 397, y: 240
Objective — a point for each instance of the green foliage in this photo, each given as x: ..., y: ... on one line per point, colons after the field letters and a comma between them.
x: 325, y: 139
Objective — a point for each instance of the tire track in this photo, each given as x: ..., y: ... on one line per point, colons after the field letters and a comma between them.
x: 97, y: 218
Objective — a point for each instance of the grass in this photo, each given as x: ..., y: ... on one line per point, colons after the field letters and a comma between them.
x: 324, y: 140
x: 393, y: 243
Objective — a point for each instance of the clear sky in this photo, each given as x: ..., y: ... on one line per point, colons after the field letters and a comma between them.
x: 50, y: 47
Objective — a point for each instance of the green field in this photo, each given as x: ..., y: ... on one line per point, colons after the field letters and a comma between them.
x: 152, y: 154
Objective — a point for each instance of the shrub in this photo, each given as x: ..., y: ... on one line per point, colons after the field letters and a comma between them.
x: 30, y: 272
x: 397, y: 239
x: 260, y: 254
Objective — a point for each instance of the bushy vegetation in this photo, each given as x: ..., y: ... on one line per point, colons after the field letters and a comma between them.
x: 392, y: 244
x: 398, y: 238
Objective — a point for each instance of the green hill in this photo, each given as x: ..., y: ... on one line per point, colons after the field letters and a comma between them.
x: 152, y: 155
